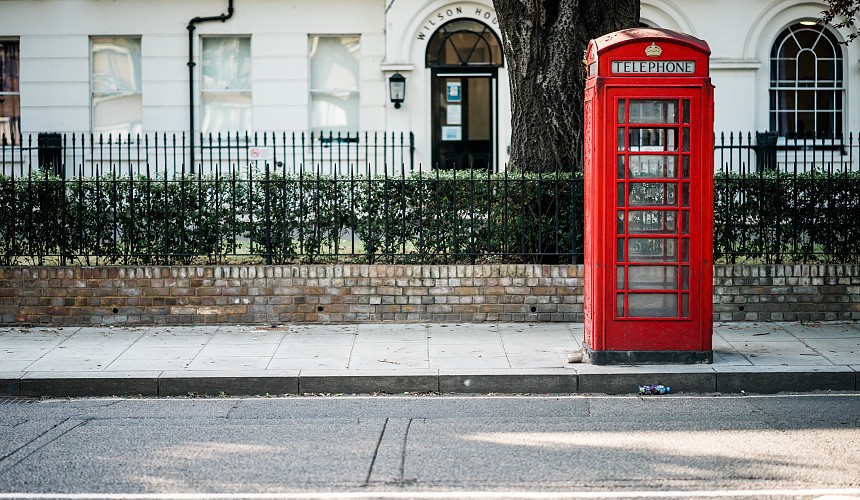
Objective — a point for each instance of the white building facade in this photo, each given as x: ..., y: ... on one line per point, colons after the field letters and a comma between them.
x: 135, y: 67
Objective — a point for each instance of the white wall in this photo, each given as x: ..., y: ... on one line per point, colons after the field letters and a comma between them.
x: 54, y: 37
x: 741, y: 33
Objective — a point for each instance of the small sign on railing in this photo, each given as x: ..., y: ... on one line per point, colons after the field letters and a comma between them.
x: 257, y: 153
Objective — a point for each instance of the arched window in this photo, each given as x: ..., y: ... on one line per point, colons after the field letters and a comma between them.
x: 806, y: 83
x: 464, y: 43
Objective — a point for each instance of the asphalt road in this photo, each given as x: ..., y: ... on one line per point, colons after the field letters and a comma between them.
x: 785, y: 446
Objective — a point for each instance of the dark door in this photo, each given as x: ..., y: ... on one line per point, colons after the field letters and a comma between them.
x: 463, y: 119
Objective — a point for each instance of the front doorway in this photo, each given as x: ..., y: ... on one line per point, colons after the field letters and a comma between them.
x: 464, y: 57
x: 463, y: 120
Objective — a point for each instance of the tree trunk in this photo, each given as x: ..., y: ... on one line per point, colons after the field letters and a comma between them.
x: 544, y: 45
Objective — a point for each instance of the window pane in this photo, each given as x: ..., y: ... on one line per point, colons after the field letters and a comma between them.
x: 652, y: 221
x: 337, y: 112
x: 653, y: 139
x: 652, y: 278
x: 479, y: 112
x: 653, y: 166
x: 652, y: 305
x: 653, y: 111
x: 226, y: 63
x: 652, y: 250
x: 334, y: 62
x: 226, y: 112
x: 10, y: 100
x: 335, y: 102
x: 653, y: 193
x: 464, y: 42
x: 225, y: 103
x: 10, y: 118
x: 9, y: 65
x: 118, y: 114
x: 116, y: 64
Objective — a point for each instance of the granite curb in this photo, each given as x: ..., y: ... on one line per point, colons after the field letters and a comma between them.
x: 622, y: 380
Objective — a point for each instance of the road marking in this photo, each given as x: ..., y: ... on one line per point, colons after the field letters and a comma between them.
x: 821, y: 493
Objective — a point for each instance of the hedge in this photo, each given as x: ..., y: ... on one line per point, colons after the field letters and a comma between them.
x: 440, y: 217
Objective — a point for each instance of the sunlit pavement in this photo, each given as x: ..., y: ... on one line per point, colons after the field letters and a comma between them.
x: 397, y: 358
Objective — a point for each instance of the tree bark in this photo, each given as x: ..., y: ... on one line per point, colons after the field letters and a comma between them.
x: 544, y: 44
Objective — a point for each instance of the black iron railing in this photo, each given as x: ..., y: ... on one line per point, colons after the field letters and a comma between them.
x: 766, y: 151
x: 91, y: 155
x: 781, y: 200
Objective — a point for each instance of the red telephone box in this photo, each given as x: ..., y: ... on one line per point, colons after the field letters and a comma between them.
x: 649, y: 215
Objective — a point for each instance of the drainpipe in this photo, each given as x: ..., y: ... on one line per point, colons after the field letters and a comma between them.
x: 223, y: 18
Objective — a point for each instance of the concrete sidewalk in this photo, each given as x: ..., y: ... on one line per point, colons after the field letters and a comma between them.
x: 397, y: 358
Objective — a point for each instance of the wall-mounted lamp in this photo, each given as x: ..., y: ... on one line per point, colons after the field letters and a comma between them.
x: 397, y: 89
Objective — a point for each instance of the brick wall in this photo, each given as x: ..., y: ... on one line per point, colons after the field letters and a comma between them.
x: 359, y: 293
x: 787, y: 292
x: 288, y: 294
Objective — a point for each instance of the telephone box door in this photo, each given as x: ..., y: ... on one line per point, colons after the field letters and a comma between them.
x: 658, y: 239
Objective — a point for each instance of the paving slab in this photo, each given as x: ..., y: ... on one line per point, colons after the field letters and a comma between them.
x: 839, y: 351
x: 136, y: 352
x: 388, y: 362
x: 81, y: 362
x: 322, y: 363
x: 15, y: 365
x: 375, y: 349
x: 780, y: 353
x: 124, y: 365
x: 247, y: 337
x: 822, y: 330
x: 290, y: 350
x: 546, y: 359
x: 229, y: 363
x: 438, y: 350
x: 215, y: 350
x: 756, y: 332
x: 476, y: 361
